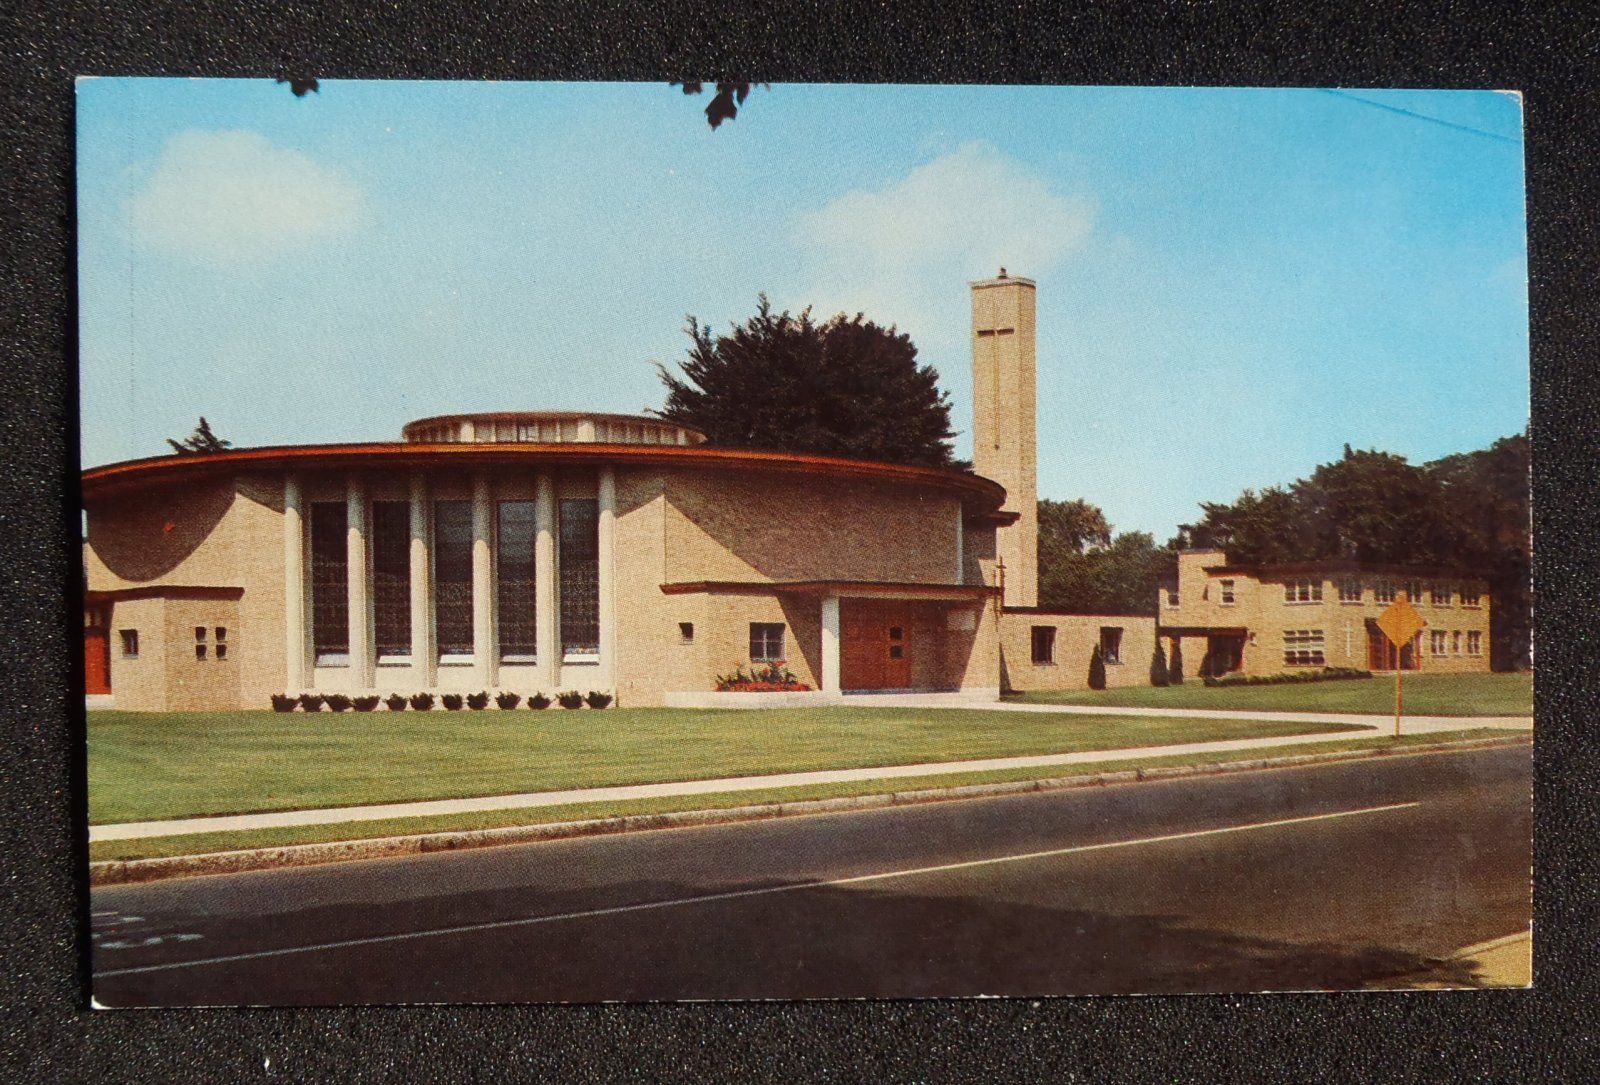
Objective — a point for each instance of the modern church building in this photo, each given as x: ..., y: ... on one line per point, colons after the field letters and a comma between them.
x: 542, y: 551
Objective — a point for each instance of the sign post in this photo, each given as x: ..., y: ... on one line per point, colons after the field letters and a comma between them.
x: 1400, y: 622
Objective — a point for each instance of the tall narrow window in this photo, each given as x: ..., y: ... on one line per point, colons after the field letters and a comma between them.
x: 580, y: 577
x: 1111, y: 644
x: 1384, y: 591
x: 1044, y: 644
x: 452, y: 578
x: 391, y: 579
x: 1225, y: 588
x: 330, y: 584
x: 518, y: 616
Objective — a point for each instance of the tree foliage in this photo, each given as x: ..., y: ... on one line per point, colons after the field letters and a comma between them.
x: 725, y: 103
x: 844, y: 387
x: 1097, y: 669
x: 1175, y: 663
x: 1086, y: 568
x: 201, y: 440
x: 1468, y: 512
x: 1158, y: 666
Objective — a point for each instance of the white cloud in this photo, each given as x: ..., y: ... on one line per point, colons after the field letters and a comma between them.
x: 232, y: 198
x: 901, y: 253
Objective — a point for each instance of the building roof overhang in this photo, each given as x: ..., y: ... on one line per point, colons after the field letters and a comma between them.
x: 850, y: 589
x: 1202, y: 631
x: 981, y: 497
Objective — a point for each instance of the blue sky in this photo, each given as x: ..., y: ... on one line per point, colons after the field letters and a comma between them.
x: 1232, y: 283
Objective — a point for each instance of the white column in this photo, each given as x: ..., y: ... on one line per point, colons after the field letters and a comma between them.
x: 424, y: 660
x: 830, y: 644
x: 485, y: 653
x: 356, y: 572
x: 607, y: 538
x: 544, y: 558
x: 294, y: 585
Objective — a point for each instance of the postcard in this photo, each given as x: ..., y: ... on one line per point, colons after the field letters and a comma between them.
x: 559, y: 542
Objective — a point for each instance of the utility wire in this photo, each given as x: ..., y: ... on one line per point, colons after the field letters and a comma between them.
x: 1497, y: 137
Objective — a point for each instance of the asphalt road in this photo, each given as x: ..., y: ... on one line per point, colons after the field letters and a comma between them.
x: 1343, y: 875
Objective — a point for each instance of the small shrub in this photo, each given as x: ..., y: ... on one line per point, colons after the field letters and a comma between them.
x: 538, y: 700
x: 570, y: 699
x: 507, y: 700
x: 338, y: 702
x: 283, y: 702
x: 366, y: 703
x: 772, y: 677
x: 421, y: 701
x: 311, y: 702
x: 1097, y: 670
x: 1158, y: 666
x: 478, y: 701
x: 451, y: 701
x: 596, y: 699
x: 395, y: 702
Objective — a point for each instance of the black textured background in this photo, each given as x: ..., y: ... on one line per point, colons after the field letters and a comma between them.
x: 48, y: 1034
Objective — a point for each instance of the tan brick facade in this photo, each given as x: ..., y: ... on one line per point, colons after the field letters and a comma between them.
x: 1033, y: 659
x: 1291, y: 618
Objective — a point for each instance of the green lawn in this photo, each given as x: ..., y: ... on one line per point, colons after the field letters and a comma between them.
x: 151, y: 766
x: 199, y: 843
x: 1424, y: 695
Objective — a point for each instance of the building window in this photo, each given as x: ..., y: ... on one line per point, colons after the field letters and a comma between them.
x: 330, y: 584
x: 1383, y: 591
x: 199, y: 642
x: 766, y: 641
x: 580, y: 576
x: 1172, y: 596
x: 1349, y: 591
x: 1111, y: 644
x: 1441, y: 595
x: 221, y: 645
x: 515, y: 537
x: 1455, y: 643
x: 1474, y: 643
x: 1436, y: 642
x: 452, y: 578
x: 686, y: 632
x: 1302, y: 591
x: 130, y: 643
x: 1414, y: 591
x: 391, y: 579
x: 1303, y: 647
x: 1470, y: 597
x: 1225, y: 592
x: 1044, y: 644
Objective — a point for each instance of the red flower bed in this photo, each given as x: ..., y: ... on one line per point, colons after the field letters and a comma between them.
x: 764, y: 687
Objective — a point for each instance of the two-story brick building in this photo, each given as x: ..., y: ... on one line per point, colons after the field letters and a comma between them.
x: 1268, y: 619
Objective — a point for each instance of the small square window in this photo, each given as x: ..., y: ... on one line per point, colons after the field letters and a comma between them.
x: 200, y: 651
x: 130, y: 643
x: 897, y: 651
x: 221, y: 633
x: 1225, y: 592
x: 222, y: 651
x: 897, y: 633
x: 199, y: 634
x: 766, y: 641
x: 686, y: 632
x: 1044, y: 644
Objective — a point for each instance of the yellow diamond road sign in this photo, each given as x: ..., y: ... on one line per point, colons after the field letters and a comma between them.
x: 1400, y: 621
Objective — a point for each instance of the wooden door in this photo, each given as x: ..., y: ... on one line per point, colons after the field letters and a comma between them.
x: 96, y: 659
x: 1381, y: 654
x: 876, y: 645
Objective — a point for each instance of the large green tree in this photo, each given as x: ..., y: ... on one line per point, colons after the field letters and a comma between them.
x: 1087, y: 568
x: 1468, y: 511
x: 842, y: 387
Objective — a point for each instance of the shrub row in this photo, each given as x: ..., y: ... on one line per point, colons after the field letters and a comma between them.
x: 1326, y: 674
x: 423, y: 702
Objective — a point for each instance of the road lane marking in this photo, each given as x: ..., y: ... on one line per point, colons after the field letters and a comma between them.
x: 736, y: 894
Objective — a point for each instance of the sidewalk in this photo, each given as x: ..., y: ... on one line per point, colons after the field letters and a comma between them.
x: 338, y: 815
x: 1499, y: 962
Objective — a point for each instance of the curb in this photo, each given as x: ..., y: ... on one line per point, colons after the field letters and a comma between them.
x: 124, y: 871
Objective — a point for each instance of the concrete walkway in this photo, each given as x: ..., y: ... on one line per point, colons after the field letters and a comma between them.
x: 336, y: 815
x: 1410, y: 725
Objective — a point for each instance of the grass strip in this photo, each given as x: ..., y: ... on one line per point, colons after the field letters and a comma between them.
x: 200, y: 843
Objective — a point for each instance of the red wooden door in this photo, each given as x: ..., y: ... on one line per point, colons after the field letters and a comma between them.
x: 875, y: 648
x: 96, y: 659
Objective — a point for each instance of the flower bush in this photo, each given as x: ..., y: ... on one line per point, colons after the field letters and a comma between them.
x: 570, y: 699
x: 395, y: 702
x: 365, y: 703
x: 507, y: 700
x: 422, y: 701
x: 451, y: 701
x: 773, y: 677
x: 338, y: 702
x: 539, y: 700
x: 596, y: 699
x: 311, y: 702
x: 477, y: 701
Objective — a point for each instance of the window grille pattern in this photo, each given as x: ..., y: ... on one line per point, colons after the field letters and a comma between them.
x: 452, y: 577
x: 1303, y: 647
x: 330, y: 580
x: 579, y: 576
x: 391, y: 578
x: 516, y: 534
x: 766, y: 641
x: 1044, y: 644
